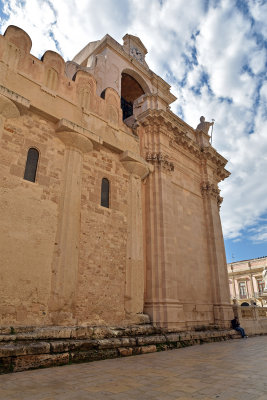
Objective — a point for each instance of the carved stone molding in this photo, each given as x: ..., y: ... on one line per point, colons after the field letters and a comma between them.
x: 182, y: 140
x: 210, y: 190
x: 209, y: 153
x: 170, y: 123
x: 160, y: 160
x: 17, y: 98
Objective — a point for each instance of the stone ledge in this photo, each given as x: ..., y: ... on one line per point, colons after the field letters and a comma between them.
x: 51, y: 346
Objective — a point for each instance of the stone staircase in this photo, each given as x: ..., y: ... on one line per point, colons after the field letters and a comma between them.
x: 23, y: 348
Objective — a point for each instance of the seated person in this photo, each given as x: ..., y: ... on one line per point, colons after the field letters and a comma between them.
x: 236, y: 326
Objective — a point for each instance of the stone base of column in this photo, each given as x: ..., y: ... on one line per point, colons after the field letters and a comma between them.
x: 168, y: 314
x: 223, y: 314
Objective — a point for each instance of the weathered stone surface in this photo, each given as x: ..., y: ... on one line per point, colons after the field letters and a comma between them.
x: 6, y: 365
x: 45, y: 333
x: 102, y: 332
x: 151, y: 339
x: 172, y: 337
x: 19, y: 355
x: 109, y: 343
x: 130, y: 341
x: 141, y: 330
x: 70, y: 345
x: 20, y: 348
x: 36, y: 361
x: 82, y: 332
x: 93, y: 355
x: 148, y: 349
x: 124, y: 352
x: 8, y: 338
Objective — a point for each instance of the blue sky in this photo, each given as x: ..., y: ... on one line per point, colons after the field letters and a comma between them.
x: 213, y: 53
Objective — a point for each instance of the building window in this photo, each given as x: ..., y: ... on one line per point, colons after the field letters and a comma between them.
x: 31, y: 165
x: 261, y: 285
x: 242, y: 290
x: 105, y: 193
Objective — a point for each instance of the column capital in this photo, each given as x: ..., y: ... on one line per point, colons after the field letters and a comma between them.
x: 135, y: 164
x: 76, y: 136
x: 76, y: 141
x: 211, y: 190
x: 7, y: 108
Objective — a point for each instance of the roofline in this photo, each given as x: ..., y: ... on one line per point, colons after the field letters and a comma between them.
x: 243, y: 261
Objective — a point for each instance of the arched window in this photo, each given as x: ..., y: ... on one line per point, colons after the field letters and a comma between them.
x: 105, y: 193
x: 31, y: 165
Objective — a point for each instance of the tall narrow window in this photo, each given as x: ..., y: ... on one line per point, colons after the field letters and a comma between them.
x: 242, y: 290
x: 105, y: 193
x: 31, y: 165
x: 261, y: 285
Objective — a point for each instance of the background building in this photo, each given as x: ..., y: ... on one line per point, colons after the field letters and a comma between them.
x: 246, y: 282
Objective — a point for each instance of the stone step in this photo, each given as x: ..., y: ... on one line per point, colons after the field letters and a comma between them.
x: 44, y: 347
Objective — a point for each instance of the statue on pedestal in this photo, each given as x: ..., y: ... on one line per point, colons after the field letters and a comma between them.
x: 204, y: 126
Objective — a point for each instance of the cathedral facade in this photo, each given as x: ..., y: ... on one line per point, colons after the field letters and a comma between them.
x: 109, y: 202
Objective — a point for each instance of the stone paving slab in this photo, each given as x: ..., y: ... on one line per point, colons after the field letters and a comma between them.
x: 232, y: 370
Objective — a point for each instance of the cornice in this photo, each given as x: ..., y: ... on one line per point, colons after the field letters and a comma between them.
x: 210, y: 154
x: 246, y: 272
x: 17, y: 98
x: 184, y: 141
x: 178, y: 132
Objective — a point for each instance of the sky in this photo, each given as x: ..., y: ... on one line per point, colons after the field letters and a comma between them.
x: 213, y: 53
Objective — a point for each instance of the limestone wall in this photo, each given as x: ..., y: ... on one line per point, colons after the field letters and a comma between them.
x: 28, y: 215
x: 63, y: 254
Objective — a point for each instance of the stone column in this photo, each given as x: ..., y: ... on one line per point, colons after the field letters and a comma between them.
x: 135, y: 279
x: 66, y: 258
x: 161, y: 298
x: 217, y: 259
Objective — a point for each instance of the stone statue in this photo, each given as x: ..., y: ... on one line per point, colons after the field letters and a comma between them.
x: 264, y: 275
x: 204, y: 126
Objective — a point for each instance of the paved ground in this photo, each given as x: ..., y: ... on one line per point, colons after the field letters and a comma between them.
x: 235, y: 369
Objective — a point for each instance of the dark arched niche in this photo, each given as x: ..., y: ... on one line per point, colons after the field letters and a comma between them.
x: 132, y: 87
x: 244, y: 304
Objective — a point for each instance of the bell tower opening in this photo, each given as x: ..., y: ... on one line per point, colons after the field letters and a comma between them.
x: 130, y: 91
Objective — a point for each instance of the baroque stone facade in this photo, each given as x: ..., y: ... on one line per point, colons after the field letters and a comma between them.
x: 120, y: 217
x: 246, y: 281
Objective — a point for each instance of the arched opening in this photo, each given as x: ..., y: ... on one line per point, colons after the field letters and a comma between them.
x: 31, y: 165
x: 130, y: 91
x: 244, y: 304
